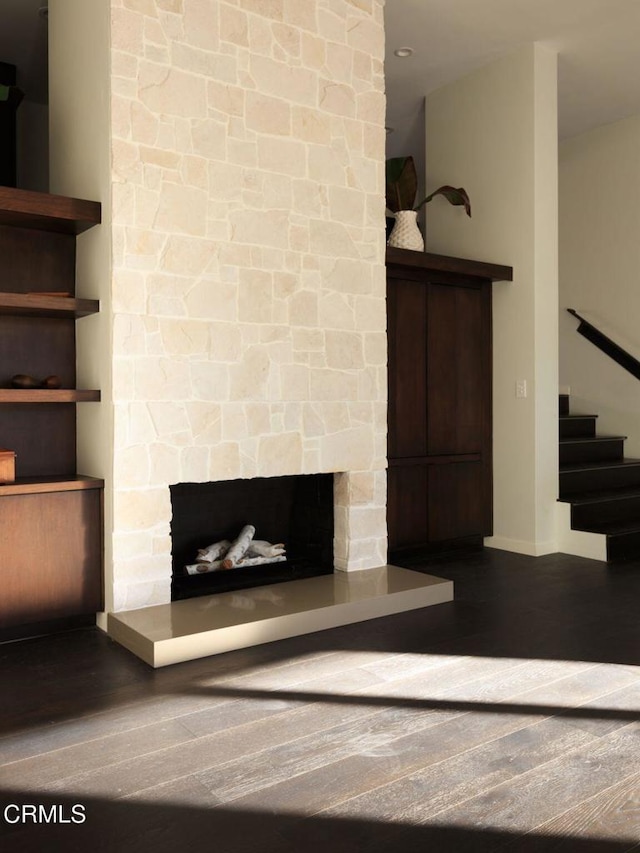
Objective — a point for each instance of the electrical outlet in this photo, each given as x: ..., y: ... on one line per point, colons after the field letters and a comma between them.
x: 521, y: 388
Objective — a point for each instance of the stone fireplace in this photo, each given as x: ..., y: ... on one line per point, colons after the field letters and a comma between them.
x: 237, y: 148
x: 245, y: 318
x: 239, y: 160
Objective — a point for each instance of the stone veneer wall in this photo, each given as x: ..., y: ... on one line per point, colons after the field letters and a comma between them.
x: 248, y: 262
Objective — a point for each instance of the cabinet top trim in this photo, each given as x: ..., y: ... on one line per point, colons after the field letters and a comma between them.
x: 443, y: 263
x: 45, y: 212
x: 42, y: 485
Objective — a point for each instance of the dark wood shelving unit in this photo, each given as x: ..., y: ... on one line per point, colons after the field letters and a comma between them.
x: 51, y: 549
x: 440, y: 372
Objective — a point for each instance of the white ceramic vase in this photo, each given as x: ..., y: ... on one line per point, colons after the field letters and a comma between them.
x: 406, y: 234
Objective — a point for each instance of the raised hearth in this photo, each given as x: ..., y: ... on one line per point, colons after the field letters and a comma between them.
x: 185, y: 630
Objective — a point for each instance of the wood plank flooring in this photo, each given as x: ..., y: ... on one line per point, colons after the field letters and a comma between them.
x: 505, y: 720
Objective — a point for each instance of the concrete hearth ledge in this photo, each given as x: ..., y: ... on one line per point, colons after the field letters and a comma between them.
x: 212, y: 624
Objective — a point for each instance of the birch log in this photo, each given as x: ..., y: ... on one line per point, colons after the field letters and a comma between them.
x: 217, y: 565
x: 239, y: 547
x: 260, y: 548
x: 213, y: 552
x: 203, y: 568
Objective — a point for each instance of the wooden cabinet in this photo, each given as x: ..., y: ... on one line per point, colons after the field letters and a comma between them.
x: 439, y: 445
x: 50, y: 517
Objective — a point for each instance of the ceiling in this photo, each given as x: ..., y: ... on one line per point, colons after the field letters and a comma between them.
x: 597, y: 41
x: 23, y: 42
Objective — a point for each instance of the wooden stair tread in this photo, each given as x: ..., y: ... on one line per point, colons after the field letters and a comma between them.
x: 602, y: 464
x: 598, y: 495
x: 613, y: 528
x: 581, y: 439
x: 576, y: 417
x: 603, y: 494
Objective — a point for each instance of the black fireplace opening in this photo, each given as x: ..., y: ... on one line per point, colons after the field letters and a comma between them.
x: 294, y: 510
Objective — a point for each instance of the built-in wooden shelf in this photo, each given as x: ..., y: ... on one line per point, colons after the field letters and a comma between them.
x: 42, y: 485
x: 445, y: 264
x: 45, y: 212
x: 40, y: 305
x: 48, y: 395
x: 51, y: 519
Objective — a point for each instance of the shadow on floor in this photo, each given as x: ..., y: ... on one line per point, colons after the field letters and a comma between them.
x: 506, y: 605
x: 136, y: 827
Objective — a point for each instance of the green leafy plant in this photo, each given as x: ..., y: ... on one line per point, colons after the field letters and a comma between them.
x: 402, y: 187
x: 10, y: 94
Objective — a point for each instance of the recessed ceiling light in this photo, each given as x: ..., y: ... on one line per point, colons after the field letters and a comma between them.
x: 403, y: 52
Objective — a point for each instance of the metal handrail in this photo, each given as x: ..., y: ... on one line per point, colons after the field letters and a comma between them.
x: 606, y: 345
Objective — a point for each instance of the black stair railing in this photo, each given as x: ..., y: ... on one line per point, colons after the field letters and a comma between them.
x: 607, y: 346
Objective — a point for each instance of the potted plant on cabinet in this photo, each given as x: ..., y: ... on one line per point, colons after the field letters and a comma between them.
x: 401, y: 190
x: 10, y: 98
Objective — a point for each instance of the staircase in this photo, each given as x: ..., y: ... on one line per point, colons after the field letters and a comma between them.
x: 601, y: 486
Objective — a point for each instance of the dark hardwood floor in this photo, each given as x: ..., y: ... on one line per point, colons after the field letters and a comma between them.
x: 506, y: 720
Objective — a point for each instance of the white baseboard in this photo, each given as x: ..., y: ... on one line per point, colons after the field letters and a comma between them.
x: 579, y: 543
x: 522, y: 546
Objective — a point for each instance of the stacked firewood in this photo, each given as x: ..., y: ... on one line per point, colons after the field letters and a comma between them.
x: 244, y: 551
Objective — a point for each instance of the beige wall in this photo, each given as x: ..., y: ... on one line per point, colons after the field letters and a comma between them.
x: 599, y: 264
x: 495, y: 133
x: 79, y: 165
x: 247, y: 294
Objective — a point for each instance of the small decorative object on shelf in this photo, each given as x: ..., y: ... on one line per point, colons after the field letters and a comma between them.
x: 401, y: 190
x: 7, y: 466
x: 52, y: 381
x: 405, y: 233
x: 22, y: 380
x: 25, y: 382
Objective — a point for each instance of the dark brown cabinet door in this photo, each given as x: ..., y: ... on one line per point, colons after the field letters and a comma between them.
x: 440, y: 478
x: 407, y: 329
x: 456, y: 354
x: 51, y: 548
x: 407, y: 505
x: 455, y: 501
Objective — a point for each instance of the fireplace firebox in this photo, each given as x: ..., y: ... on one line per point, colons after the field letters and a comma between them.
x: 294, y: 510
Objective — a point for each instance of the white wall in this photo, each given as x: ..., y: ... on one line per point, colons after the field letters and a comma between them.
x: 79, y: 165
x: 600, y: 271
x: 494, y: 132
